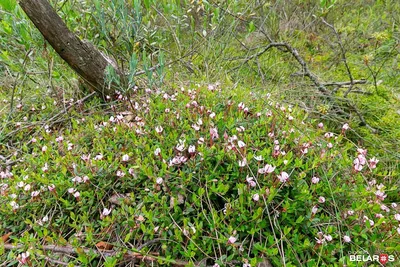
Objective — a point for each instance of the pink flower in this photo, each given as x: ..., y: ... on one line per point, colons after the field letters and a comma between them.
x: 241, y: 144
x: 59, y: 139
x: 157, y: 152
x: 195, y: 127
x: 347, y: 239
x: 120, y: 173
x: 314, y: 210
x: 385, y: 208
x: 159, y: 129
x: 258, y: 158
x: 321, y: 200
x: 345, y: 127
x: 214, y: 133
x: 320, y: 125
x: 44, y: 148
x: 269, y: 168
x: 77, y: 194
x: 159, y: 180
x: 85, y: 157
x: 362, y: 151
x: 250, y: 181
x: 357, y: 166
x: 397, y: 216
x: 232, y: 240
x: 192, y: 149
x: 380, y: 195
x: 329, y: 145
x: 35, y: 193
x: 283, y: 177
x: 125, y: 158
x: 256, y: 197
x: 328, y: 238
x: 242, y: 163
x: 51, y: 187
x: 105, y: 213
x: 23, y: 258
x: 373, y: 162
x: 315, y: 180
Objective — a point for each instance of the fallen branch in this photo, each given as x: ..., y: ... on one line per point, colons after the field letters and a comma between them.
x: 345, y: 84
x: 100, y: 253
x: 322, y: 87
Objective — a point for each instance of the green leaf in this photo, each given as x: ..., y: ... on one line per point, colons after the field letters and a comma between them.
x: 8, y: 5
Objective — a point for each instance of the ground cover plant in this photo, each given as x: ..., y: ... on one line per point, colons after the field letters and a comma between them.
x: 216, y: 153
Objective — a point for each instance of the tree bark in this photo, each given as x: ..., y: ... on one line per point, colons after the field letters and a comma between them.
x: 81, y: 56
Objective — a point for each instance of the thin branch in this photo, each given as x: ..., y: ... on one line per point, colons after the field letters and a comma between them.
x: 345, y: 84
x: 99, y: 253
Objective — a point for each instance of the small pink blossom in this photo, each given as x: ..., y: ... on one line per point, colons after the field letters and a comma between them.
x: 44, y: 148
x: 347, y: 239
x: 157, y: 151
x: 315, y: 180
x: 195, y: 127
x: 125, y: 158
x: 45, y: 168
x: 328, y: 238
x: 373, y: 162
x: 214, y: 133
x: 256, y: 197
x: 23, y: 258
x: 159, y: 129
x: 321, y: 200
x: 242, y: 163
x: 232, y: 240
x: 77, y: 194
x: 99, y: 157
x: 320, y: 125
x: 120, y: 173
x: 283, y: 177
x: 258, y: 158
x: 35, y: 193
x: 105, y: 213
x: 345, y: 127
x: 380, y: 195
x: 59, y: 139
x: 269, y: 168
x: 329, y: 145
x: 357, y: 166
x: 397, y: 217
x: 241, y: 144
x: 159, y: 180
x: 71, y: 190
x: 385, y: 208
x: 85, y: 157
x: 314, y: 210
x: 51, y: 187
x: 250, y: 181
x: 192, y: 149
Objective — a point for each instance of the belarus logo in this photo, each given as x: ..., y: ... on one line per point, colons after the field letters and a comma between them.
x: 383, y: 258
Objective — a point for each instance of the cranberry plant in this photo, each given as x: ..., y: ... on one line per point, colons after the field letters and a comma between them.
x: 202, y: 174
